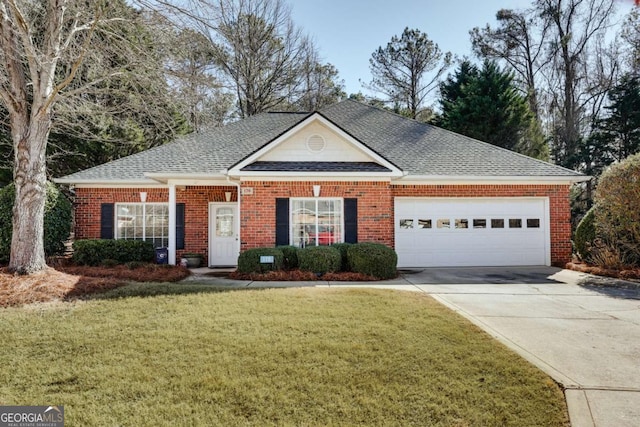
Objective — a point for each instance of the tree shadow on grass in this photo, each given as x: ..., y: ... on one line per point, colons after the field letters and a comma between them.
x: 145, y: 290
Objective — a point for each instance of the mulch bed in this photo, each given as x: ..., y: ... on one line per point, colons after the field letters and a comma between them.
x: 71, y: 282
x: 627, y: 274
x: 143, y: 273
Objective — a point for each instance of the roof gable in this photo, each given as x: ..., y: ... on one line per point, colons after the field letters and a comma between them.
x: 315, y: 145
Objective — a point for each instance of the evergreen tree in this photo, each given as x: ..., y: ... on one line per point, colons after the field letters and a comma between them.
x: 618, y: 134
x: 485, y: 104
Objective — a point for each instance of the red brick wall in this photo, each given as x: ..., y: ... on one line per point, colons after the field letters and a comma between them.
x: 257, y: 215
x: 196, y: 199
x: 258, y: 220
x: 559, y: 208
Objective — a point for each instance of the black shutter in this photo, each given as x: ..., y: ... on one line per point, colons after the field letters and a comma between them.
x: 180, y: 225
x: 106, y: 220
x: 282, y: 222
x: 351, y: 220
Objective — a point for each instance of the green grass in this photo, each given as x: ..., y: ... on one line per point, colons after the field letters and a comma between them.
x: 299, y: 357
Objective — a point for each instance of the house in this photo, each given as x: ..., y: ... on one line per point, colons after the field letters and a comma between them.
x: 347, y: 173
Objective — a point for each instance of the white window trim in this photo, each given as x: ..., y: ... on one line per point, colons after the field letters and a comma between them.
x: 315, y: 199
x: 144, y: 211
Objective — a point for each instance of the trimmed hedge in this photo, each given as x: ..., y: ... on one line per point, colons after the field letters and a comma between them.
x: 57, y: 221
x: 343, y: 248
x: 585, y: 234
x: 249, y: 260
x: 96, y: 251
x: 373, y: 259
x: 290, y: 253
x: 320, y: 259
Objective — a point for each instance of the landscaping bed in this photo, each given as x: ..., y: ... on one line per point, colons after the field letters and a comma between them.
x: 69, y: 282
x: 631, y: 274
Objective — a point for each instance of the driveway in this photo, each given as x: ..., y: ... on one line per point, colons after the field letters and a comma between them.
x: 584, y: 336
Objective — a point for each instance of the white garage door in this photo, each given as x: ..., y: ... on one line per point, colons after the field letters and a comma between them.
x: 434, y: 232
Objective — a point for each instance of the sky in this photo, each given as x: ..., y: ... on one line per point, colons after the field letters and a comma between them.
x: 347, y: 32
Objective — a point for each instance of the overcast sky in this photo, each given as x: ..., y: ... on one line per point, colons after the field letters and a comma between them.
x: 348, y: 31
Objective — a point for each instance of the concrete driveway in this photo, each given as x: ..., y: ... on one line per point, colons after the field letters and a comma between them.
x: 585, y: 337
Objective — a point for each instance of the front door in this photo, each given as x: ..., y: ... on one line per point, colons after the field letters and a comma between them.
x: 224, y: 243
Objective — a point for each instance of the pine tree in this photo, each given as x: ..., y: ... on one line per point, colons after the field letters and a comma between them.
x: 485, y: 104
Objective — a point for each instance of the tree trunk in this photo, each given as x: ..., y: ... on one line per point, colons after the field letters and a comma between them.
x: 27, y: 244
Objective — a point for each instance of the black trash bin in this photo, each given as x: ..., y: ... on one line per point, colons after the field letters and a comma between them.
x: 162, y: 255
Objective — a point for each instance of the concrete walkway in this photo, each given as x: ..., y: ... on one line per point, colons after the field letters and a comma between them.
x: 585, y: 336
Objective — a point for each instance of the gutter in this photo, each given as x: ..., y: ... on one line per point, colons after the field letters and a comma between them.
x: 475, y: 179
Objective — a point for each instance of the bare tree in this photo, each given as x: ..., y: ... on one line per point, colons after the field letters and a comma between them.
x: 320, y: 85
x: 401, y: 69
x: 256, y: 46
x: 519, y: 40
x: 575, y: 25
x: 192, y: 74
x: 45, y: 75
x: 631, y: 36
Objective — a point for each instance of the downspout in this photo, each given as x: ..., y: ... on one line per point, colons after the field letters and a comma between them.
x: 237, y: 184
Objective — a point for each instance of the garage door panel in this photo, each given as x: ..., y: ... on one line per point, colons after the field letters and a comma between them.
x: 518, y: 234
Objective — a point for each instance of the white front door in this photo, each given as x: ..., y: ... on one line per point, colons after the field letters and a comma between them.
x: 224, y: 242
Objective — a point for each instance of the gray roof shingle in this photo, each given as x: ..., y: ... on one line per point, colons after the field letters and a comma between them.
x: 206, y: 152
x: 423, y: 149
x: 315, y: 167
x: 416, y: 148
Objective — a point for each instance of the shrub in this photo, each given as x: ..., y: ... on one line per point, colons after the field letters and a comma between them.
x: 343, y: 248
x: 617, y: 219
x: 585, y: 234
x: 95, y: 251
x: 249, y: 260
x: 319, y: 259
x: 109, y: 263
x: 607, y: 256
x: 132, y: 265
x: 373, y: 259
x: 290, y: 253
x: 57, y: 221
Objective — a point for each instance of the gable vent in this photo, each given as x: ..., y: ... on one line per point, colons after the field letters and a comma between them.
x: 315, y: 143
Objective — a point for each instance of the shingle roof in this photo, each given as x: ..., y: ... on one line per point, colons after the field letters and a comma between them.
x: 416, y: 148
x: 423, y: 149
x: 315, y: 167
x: 206, y: 152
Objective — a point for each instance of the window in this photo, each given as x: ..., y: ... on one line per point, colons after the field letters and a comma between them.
x: 316, y: 222
x: 406, y: 223
x: 515, y: 223
x: 143, y: 221
x: 479, y: 223
x: 462, y: 223
x: 424, y: 223
x: 497, y: 223
x: 533, y: 223
x: 444, y: 223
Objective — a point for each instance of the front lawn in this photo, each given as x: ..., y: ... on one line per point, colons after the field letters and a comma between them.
x: 166, y: 354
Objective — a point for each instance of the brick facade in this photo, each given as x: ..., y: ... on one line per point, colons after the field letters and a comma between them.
x: 257, y: 212
x: 196, y: 199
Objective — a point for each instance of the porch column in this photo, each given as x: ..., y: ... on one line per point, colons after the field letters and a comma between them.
x: 172, y: 224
